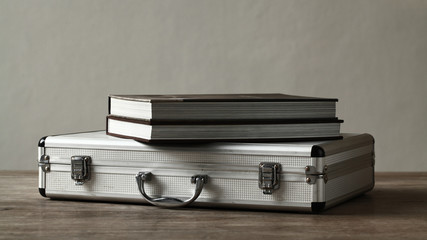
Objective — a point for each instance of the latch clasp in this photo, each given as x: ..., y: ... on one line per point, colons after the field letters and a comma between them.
x: 269, y: 177
x: 80, y: 170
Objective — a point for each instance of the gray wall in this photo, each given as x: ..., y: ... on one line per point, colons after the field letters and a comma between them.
x: 60, y: 59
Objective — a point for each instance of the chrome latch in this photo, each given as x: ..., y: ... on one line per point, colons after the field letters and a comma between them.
x: 269, y: 177
x: 44, y: 163
x: 80, y: 170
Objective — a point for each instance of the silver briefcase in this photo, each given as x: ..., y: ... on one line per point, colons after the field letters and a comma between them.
x: 297, y: 176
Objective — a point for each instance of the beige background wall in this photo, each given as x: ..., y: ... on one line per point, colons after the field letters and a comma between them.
x: 60, y: 59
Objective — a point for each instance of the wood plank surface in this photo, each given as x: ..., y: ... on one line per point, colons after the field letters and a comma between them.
x: 395, y: 209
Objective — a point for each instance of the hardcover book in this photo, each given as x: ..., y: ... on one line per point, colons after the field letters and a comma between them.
x: 283, y: 130
x: 221, y: 107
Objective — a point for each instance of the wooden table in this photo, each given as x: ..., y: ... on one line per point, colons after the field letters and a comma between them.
x: 395, y: 209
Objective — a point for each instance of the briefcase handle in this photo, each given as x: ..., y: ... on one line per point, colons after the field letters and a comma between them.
x: 169, y: 202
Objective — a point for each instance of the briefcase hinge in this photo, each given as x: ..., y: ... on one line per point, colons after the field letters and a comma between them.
x: 311, y: 174
x: 80, y: 169
x: 269, y: 177
x: 44, y: 163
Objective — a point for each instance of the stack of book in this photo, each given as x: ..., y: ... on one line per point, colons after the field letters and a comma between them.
x: 222, y: 117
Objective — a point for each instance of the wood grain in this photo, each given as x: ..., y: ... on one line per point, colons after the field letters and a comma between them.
x: 395, y: 209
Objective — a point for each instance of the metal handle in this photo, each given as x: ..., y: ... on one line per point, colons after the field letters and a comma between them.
x: 199, y: 180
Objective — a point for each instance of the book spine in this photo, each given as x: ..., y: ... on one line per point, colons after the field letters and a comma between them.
x: 109, y: 105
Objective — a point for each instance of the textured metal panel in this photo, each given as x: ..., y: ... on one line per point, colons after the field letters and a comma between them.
x: 348, y: 183
x: 218, y: 189
x: 339, y: 157
x: 179, y: 157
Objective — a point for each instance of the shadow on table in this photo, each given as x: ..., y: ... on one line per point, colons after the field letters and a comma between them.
x: 385, y: 202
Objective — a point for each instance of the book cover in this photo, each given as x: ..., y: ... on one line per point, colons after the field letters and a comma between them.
x: 267, y: 97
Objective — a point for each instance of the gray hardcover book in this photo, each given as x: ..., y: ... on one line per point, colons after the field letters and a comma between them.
x: 292, y: 176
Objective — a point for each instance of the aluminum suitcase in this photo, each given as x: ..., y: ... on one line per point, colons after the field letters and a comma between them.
x: 297, y: 176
